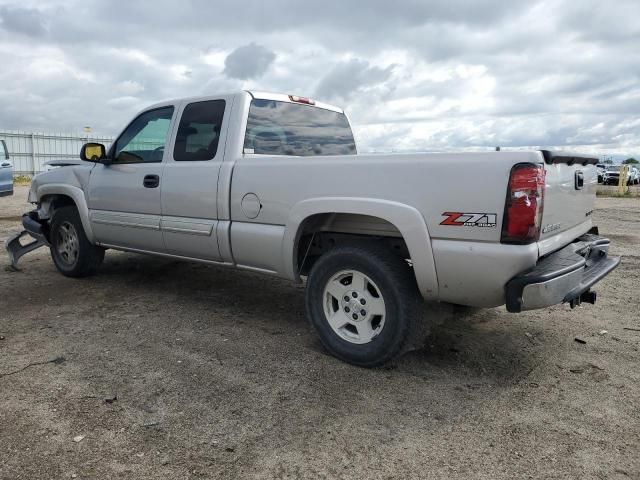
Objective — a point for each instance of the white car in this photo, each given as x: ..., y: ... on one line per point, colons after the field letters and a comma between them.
x: 612, y: 175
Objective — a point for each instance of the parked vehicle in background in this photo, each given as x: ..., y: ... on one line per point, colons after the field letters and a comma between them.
x: 600, y: 168
x: 272, y: 183
x: 612, y: 175
x: 6, y: 171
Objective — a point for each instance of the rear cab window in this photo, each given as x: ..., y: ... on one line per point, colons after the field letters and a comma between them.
x: 198, y: 134
x: 282, y: 128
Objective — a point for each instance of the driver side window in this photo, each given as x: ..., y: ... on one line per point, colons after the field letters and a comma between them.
x: 144, y: 139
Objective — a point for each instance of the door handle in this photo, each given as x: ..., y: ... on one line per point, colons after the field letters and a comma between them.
x: 151, y: 181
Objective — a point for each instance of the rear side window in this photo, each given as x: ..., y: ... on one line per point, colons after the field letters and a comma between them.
x: 3, y: 151
x: 199, y: 131
x: 282, y: 128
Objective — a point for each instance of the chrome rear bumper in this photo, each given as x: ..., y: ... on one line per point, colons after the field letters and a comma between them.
x: 565, y: 276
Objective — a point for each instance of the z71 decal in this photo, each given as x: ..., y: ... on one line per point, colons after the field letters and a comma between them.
x: 460, y: 219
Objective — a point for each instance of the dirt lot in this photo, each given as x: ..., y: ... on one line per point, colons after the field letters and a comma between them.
x: 217, y: 375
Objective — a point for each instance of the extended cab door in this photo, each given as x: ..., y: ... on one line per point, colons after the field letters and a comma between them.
x: 190, y: 180
x: 124, y: 196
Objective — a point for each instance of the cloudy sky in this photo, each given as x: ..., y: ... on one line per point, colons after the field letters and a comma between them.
x: 412, y: 74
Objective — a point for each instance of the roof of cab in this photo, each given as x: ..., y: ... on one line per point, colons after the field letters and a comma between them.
x: 279, y: 97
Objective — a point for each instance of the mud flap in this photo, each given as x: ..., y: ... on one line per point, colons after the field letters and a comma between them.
x: 16, y: 249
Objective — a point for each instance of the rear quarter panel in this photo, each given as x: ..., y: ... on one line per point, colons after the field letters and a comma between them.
x: 431, y: 183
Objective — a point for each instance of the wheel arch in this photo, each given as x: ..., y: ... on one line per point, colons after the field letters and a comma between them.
x: 406, y: 220
x: 50, y: 196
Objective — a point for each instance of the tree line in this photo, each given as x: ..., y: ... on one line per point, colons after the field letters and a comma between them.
x: 628, y: 161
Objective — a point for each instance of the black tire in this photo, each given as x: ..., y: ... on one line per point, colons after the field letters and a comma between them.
x: 66, y: 224
x: 403, y: 327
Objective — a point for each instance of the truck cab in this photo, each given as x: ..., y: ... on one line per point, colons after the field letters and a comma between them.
x: 166, y: 181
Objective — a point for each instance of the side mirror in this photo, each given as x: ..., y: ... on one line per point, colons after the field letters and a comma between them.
x: 93, y: 152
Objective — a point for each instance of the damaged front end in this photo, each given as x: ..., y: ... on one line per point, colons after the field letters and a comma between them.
x: 33, y: 227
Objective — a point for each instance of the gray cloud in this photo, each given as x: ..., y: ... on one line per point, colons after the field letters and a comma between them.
x: 248, y: 61
x: 413, y: 74
x: 24, y: 21
x: 346, y: 78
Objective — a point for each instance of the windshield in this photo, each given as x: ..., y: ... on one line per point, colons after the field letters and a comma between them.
x: 282, y: 128
x: 614, y: 168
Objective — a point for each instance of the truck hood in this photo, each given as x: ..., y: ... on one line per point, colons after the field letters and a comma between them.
x: 76, y: 175
x: 65, y: 162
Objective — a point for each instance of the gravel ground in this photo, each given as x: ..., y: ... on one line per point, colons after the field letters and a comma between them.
x: 161, y: 369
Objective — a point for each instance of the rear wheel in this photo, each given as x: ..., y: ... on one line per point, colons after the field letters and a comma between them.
x: 364, y: 303
x: 71, y: 251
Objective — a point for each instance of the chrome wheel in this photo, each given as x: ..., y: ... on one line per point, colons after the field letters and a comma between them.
x: 354, y: 307
x: 67, y: 244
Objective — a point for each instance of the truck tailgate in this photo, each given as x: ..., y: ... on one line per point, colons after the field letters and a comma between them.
x: 569, y: 197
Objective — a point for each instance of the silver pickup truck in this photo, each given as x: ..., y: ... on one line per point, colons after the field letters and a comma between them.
x: 273, y: 183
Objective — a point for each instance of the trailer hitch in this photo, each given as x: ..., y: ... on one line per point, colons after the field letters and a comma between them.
x: 587, y: 297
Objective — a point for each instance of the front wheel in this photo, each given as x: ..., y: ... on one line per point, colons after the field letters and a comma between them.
x: 364, y: 303
x: 72, y: 252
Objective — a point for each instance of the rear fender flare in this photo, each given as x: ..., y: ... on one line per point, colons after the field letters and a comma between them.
x: 405, y: 218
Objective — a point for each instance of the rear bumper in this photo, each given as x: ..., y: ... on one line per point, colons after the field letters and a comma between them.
x: 563, y: 276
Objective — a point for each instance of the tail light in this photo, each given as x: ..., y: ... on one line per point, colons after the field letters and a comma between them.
x: 523, y: 208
